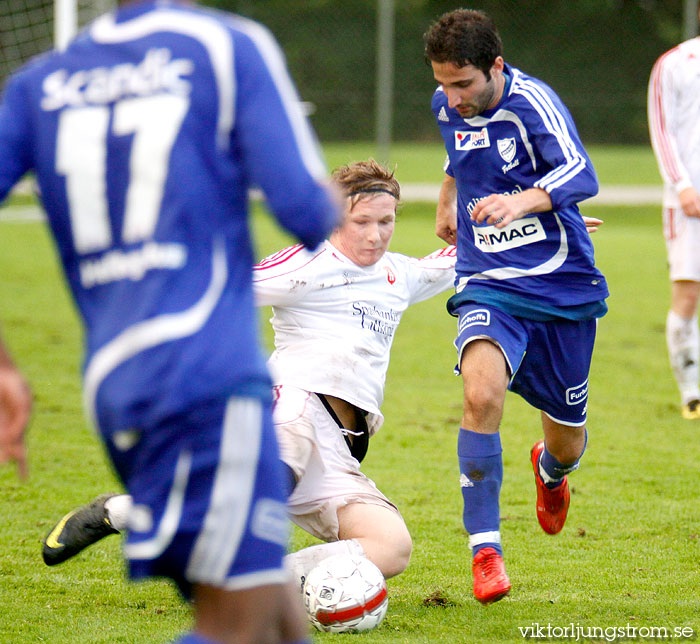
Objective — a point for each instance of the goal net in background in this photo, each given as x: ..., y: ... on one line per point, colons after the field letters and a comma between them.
x: 28, y: 27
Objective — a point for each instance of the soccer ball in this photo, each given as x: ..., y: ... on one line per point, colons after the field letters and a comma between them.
x: 345, y: 594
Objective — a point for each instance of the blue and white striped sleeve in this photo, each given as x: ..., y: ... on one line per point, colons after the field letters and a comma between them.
x: 280, y: 150
x: 570, y: 176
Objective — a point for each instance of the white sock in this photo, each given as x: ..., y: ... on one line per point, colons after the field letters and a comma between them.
x: 301, y: 562
x: 683, y: 341
x: 118, y: 508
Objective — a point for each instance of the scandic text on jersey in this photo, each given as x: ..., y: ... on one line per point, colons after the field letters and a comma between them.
x: 102, y: 85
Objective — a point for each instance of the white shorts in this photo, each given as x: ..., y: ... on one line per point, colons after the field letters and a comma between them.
x: 682, y: 236
x: 329, y: 477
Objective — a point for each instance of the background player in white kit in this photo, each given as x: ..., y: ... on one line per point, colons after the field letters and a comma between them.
x: 335, y: 312
x: 674, y: 126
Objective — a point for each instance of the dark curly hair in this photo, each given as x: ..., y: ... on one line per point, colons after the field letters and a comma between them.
x: 463, y: 37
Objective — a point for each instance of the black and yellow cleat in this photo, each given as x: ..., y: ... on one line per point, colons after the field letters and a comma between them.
x: 77, y: 530
x: 691, y: 410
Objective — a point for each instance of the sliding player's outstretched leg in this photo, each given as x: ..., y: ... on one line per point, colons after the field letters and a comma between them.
x: 81, y: 528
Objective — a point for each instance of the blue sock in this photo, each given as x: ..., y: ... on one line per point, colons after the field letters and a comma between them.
x: 481, y: 467
x: 192, y: 638
x: 552, y: 472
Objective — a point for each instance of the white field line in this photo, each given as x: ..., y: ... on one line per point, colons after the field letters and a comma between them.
x: 428, y: 192
x: 608, y: 195
x: 21, y: 214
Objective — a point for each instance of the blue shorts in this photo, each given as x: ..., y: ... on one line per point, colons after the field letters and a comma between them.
x: 548, y: 361
x: 208, y: 496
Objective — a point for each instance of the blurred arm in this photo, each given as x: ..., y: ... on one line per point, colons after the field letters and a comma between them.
x: 280, y: 151
x: 15, y: 410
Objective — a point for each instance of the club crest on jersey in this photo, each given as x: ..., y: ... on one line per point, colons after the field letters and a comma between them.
x: 472, y: 140
x: 506, y: 148
x: 390, y: 277
x: 521, y: 232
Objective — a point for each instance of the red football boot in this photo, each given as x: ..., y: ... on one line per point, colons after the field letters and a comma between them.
x: 552, y: 503
x: 490, y: 580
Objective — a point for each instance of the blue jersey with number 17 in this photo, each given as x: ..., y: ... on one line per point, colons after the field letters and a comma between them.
x: 543, y: 262
x: 145, y: 136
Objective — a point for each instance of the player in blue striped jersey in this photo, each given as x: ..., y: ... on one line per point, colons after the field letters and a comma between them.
x: 527, y: 290
x: 145, y: 136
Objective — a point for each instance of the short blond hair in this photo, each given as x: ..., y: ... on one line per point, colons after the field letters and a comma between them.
x: 363, y: 178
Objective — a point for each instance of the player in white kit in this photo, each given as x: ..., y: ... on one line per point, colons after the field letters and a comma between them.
x: 335, y: 313
x: 674, y: 126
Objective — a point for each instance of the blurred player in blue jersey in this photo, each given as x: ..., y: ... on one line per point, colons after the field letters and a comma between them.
x: 527, y: 290
x: 145, y: 136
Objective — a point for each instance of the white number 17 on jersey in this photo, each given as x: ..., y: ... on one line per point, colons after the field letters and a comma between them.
x: 81, y: 155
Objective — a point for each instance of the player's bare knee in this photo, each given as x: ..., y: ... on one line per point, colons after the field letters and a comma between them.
x: 391, y: 556
x: 482, y: 404
x: 404, y: 548
x: 564, y: 443
x: 567, y: 455
x: 401, y: 546
x: 385, y: 540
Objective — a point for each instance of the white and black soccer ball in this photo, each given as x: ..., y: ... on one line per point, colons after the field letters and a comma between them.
x: 345, y: 594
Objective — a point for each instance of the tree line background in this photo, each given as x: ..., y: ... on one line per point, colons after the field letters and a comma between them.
x: 597, y: 54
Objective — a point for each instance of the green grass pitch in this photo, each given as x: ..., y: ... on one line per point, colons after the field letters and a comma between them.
x: 422, y: 162
x: 627, y: 558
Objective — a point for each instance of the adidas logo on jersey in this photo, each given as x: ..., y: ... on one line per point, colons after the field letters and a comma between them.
x: 442, y: 116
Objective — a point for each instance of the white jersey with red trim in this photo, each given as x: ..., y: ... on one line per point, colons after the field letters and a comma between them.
x: 674, y: 118
x: 334, y: 321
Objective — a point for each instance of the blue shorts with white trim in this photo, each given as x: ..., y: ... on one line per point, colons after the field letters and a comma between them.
x: 208, y: 496
x: 548, y: 361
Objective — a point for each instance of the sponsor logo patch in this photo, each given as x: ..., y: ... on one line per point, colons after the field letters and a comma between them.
x: 490, y: 239
x: 269, y: 521
x: 375, y: 318
x: 480, y: 317
x: 472, y: 140
x: 578, y: 394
